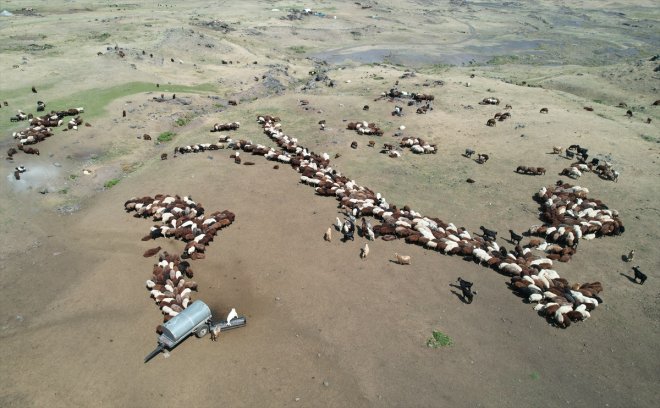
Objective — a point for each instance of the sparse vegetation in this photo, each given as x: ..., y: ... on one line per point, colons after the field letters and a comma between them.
x: 649, y: 138
x: 439, y: 339
x: 111, y: 183
x: 166, y: 136
x: 183, y: 121
x: 298, y: 49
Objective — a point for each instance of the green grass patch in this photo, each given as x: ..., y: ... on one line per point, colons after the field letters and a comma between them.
x: 166, y: 136
x: 298, y: 49
x: 503, y: 59
x: 535, y: 376
x: 73, y: 176
x: 111, y: 183
x: 649, y: 138
x: 439, y: 339
x: 182, y: 121
x: 99, y: 36
x: 93, y: 100
x: 63, y: 191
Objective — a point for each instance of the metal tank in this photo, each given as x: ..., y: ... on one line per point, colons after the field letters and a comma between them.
x: 176, y: 329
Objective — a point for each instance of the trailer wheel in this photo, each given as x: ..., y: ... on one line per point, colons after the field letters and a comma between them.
x: 202, y: 331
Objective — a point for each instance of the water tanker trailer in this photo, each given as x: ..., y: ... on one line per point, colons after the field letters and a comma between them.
x: 195, y: 319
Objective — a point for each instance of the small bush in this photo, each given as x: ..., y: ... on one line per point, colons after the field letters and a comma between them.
x: 166, y: 136
x: 439, y: 339
x: 298, y: 49
x: 111, y: 183
x: 182, y: 121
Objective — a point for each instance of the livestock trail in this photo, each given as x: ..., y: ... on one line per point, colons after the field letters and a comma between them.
x: 183, y: 219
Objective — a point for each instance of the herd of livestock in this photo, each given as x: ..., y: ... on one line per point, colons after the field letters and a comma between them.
x: 183, y: 219
x: 569, y: 215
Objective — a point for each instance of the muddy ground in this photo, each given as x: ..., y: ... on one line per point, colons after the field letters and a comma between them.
x: 325, y: 328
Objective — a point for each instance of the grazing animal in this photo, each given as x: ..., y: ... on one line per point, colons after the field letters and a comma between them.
x: 34, y: 90
x: 364, y: 251
x: 151, y: 252
x: 629, y: 113
x: 123, y: 113
x: 489, y: 234
x: 466, y: 288
x: 163, y: 156
x: 328, y: 235
x: 365, y: 108
x: 214, y: 333
x: 630, y: 256
x: 544, y: 110
x: 515, y: 238
x: 146, y: 137
x: 639, y: 275
x: 482, y: 158
x: 468, y: 153
x: 491, y: 122
x: 30, y: 150
x: 354, y: 145
x: 402, y: 259
x: 348, y: 230
x: 557, y: 149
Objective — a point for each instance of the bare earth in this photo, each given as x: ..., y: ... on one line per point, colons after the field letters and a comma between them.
x: 325, y: 328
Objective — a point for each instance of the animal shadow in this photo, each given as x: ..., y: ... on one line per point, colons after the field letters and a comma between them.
x: 630, y: 278
x: 458, y: 295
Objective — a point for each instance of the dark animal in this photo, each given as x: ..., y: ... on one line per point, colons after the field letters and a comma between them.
x: 123, y: 114
x: 468, y: 153
x: 466, y: 288
x: 639, y: 275
x: 365, y: 108
x: 489, y: 234
x: 354, y: 145
x: 163, y: 156
x: 146, y: 137
x: 629, y: 113
x: 151, y: 252
x: 348, y: 230
x: 544, y: 110
x: 34, y: 89
x: 515, y: 238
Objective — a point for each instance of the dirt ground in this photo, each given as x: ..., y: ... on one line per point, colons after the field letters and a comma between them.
x: 325, y: 328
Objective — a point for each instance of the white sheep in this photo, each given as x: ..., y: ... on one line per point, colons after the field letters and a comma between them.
x: 365, y: 251
x: 402, y: 259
